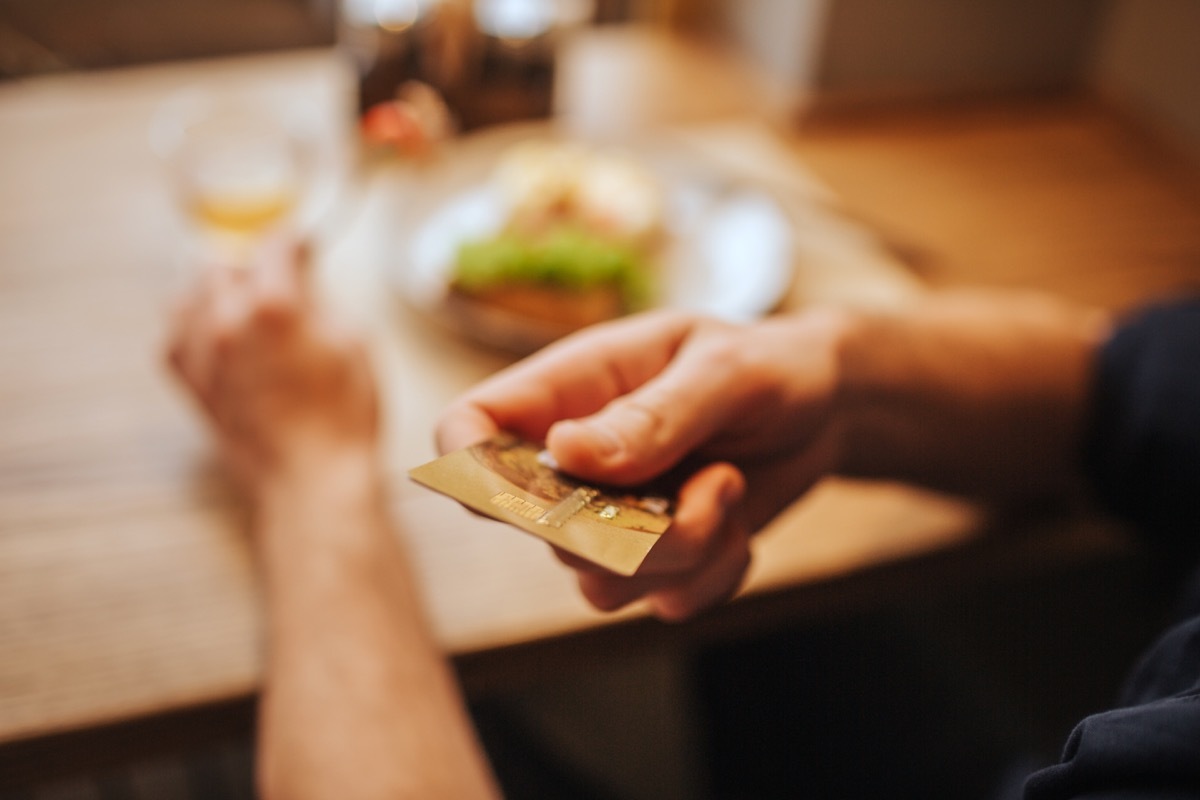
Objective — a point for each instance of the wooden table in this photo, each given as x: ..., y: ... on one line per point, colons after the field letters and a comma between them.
x: 1061, y: 194
x: 126, y: 588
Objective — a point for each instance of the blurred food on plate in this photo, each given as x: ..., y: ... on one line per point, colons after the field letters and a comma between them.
x: 582, y: 228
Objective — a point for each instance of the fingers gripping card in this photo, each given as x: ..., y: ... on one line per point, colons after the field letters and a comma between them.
x: 508, y: 479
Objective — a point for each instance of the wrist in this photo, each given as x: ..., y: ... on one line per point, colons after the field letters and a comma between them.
x: 840, y: 333
x: 311, y: 461
x: 857, y: 368
x: 317, y: 480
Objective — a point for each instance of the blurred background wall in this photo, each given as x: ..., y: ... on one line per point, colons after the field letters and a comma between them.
x: 1147, y: 59
x: 46, y: 35
x: 872, y: 50
x: 43, y: 35
x: 1141, y: 55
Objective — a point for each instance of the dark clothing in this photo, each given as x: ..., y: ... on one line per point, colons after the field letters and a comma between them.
x: 1142, y: 454
x: 1143, y: 443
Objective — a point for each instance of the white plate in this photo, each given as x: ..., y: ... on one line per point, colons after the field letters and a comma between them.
x: 729, y: 251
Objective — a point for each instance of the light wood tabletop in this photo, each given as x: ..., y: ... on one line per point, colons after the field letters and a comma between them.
x: 126, y: 587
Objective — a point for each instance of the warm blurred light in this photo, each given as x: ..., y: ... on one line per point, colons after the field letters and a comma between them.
x: 515, y: 19
x: 391, y: 15
x: 518, y: 22
x: 396, y: 15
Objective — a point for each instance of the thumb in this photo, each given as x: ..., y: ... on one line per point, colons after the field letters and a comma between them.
x: 644, y: 433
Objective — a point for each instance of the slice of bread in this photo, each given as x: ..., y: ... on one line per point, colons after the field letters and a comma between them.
x: 562, y: 309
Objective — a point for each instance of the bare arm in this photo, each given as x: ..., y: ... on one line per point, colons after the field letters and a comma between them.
x: 982, y: 393
x: 358, y: 701
x: 977, y: 393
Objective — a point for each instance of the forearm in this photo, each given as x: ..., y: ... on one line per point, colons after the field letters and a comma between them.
x: 358, y: 700
x: 980, y: 394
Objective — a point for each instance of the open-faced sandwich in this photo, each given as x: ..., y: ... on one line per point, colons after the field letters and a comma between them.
x: 579, y: 243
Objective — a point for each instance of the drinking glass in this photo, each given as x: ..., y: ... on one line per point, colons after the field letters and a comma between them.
x: 238, y: 168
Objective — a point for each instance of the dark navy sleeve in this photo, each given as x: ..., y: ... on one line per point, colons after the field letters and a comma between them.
x: 1148, y: 749
x: 1142, y: 447
x: 1143, y: 457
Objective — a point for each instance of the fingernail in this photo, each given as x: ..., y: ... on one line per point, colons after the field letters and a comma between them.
x: 547, y: 460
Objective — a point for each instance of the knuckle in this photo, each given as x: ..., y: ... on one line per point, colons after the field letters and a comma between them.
x: 223, y: 338
x: 679, y: 317
x: 723, y: 349
x: 272, y: 312
x: 733, y: 361
x: 646, y: 415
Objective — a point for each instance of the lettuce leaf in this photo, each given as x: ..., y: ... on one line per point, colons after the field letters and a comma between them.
x: 565, y: 257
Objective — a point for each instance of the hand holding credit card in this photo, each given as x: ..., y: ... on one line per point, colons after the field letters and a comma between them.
x: 509, y: 479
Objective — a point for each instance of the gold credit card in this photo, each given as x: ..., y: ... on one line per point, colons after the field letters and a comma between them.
x: 513, y: 480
